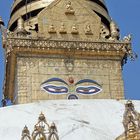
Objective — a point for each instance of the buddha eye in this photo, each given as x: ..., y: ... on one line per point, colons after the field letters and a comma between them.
x: 53, y: 89
x: 88, y: 90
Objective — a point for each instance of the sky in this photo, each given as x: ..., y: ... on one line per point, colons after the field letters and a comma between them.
x: 126, y: 14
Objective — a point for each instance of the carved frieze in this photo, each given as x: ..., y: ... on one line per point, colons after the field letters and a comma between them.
x: 59, y: 44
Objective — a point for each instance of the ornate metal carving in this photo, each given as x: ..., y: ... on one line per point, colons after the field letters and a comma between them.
x: 42, y: 131
x: 131, y: 123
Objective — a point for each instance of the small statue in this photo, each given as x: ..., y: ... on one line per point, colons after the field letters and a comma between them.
x: 127, y: 38
x: 74, y: 29
x: 62, y: 29
x: 52, y: 29
x: 88, y: 30
x: 69, y: 9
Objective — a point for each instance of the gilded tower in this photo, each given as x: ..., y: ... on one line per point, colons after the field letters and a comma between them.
x: 63, y: 49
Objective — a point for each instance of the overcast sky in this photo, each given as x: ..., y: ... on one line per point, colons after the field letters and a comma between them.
x: 126, y: 14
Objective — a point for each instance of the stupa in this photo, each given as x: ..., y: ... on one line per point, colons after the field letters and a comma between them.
x: 64, y: 58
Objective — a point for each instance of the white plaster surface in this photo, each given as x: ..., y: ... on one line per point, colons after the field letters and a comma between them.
x: 75, y: 119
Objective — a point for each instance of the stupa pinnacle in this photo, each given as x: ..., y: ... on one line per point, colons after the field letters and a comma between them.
x: 63, y: 49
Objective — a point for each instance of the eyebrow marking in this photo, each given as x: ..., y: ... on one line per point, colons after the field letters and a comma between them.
x: 53, y: 80
x: 87, y: 80
x: 88, y: 90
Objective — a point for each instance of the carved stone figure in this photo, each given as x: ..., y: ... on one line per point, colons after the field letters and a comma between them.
x: 52, y: 29
x: 69, y: 8
x: 74, y: 29
x: 88, y: 30
x: 62, y: 29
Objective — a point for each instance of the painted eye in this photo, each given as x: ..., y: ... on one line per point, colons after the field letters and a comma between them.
x: 53, y: 89
x: 88, y: 90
